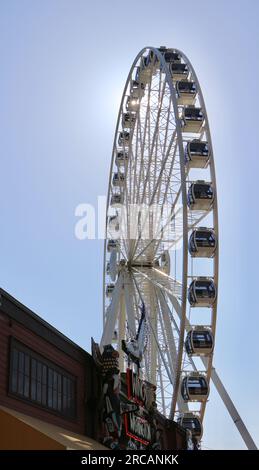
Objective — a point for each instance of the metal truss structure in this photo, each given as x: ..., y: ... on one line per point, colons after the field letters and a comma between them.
x: 162, y: 244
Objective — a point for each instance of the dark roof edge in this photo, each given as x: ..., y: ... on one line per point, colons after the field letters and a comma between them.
x: 22, y: 314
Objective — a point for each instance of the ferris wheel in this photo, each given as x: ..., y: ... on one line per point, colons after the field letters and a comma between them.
x: 160, y: 278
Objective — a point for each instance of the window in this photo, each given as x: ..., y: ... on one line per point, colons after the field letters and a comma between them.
x: 41, y: 382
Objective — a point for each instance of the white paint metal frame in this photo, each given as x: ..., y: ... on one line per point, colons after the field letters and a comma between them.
x: 155, y: 173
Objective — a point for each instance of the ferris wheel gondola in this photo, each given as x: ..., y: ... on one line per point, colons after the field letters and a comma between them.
x: 197, y: 154
x: 192, y: 422
x: 194, y: 387
x: 202, y: 243
x: 185, y: 92
x: 199, y: 341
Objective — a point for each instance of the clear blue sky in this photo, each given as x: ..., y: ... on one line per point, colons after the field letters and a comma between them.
x: 63, y: 67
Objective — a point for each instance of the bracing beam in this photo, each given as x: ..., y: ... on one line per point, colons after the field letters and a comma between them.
x: 239, y: 423
x: 111, y: 315
x: 246, y: 436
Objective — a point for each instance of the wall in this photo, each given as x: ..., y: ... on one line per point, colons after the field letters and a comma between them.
x: 52, y: 346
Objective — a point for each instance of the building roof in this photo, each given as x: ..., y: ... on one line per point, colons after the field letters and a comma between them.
x: 15, y: 310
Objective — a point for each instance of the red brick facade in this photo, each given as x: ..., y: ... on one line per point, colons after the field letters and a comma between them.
x: 18, y: 322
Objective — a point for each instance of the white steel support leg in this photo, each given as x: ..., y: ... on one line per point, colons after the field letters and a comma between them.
x: 121, y: 332
x: 168, y: 329
x: 154, y: 351
x: 246, y: 436
x: 111, y: 315
x: 129, y: 301
x: 162, y: 387
x: 171, y: 344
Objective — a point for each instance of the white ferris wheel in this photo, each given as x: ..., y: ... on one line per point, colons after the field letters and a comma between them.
x: 161, y: 248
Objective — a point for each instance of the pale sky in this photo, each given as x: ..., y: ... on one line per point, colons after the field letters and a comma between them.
x: 63, y: 68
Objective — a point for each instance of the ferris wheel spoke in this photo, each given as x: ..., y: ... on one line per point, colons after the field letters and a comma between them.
x: 162, y: 387
x: 153, y: 349
x: 193, y: 220
x: 169, y: 338
x: 162, y: 281
x: 131, y: 177
x: 152, y: 175
x: 157, y: 191
x: 136, y: 254
x: 165, y: 338
x: 151, y: 156
x: 145, y: 161
x: 143, y: 133
x: 174, y: 217
x: 169, y: 322
x: 160, y: 352
x: 168, y: 352
x: 166, y: 346
x: 173, y: 289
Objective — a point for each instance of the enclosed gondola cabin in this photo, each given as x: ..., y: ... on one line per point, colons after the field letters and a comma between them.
x: 192, y: 119
x: 113, y: 223
x: 144, y: 71
x: 137, y: 90
x: 163, y: 49
x: 199, y: 341
x: 202, y: 292
x: 145, y: 61
x: 194, y: 387
x: 202, y: 243
x: 200, y: 196
x: 118, y: 179
x: 121, y: 158
x: 149, y: 61
x: 191, y: 422
x: 186, y: 92
x: 178, y: 71
x: 107, y: 268
x: 132, y: 104
x: 153, y: 60
x: 124, y: 139
x: 109, y: 290
x: 172, y: 57
x: 197, y: 154
x: 116, y: 199
x: 128, y: 120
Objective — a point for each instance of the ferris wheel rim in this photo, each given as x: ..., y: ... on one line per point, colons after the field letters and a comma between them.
x: 183, y: 184
x: 215, y: 211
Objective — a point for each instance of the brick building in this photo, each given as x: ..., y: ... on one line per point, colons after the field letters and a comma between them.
x: 43, y: 375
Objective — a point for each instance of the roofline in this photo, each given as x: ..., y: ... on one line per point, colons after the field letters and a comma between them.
x: 23, y: 315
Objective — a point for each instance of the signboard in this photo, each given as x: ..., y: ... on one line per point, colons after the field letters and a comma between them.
x: 126, y: 399
x: 138, y: 428
x: 138, y: 425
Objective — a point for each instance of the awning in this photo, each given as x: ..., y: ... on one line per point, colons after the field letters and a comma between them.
x: 19, y: 432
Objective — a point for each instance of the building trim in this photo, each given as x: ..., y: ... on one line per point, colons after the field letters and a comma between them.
x: 30, y: 320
